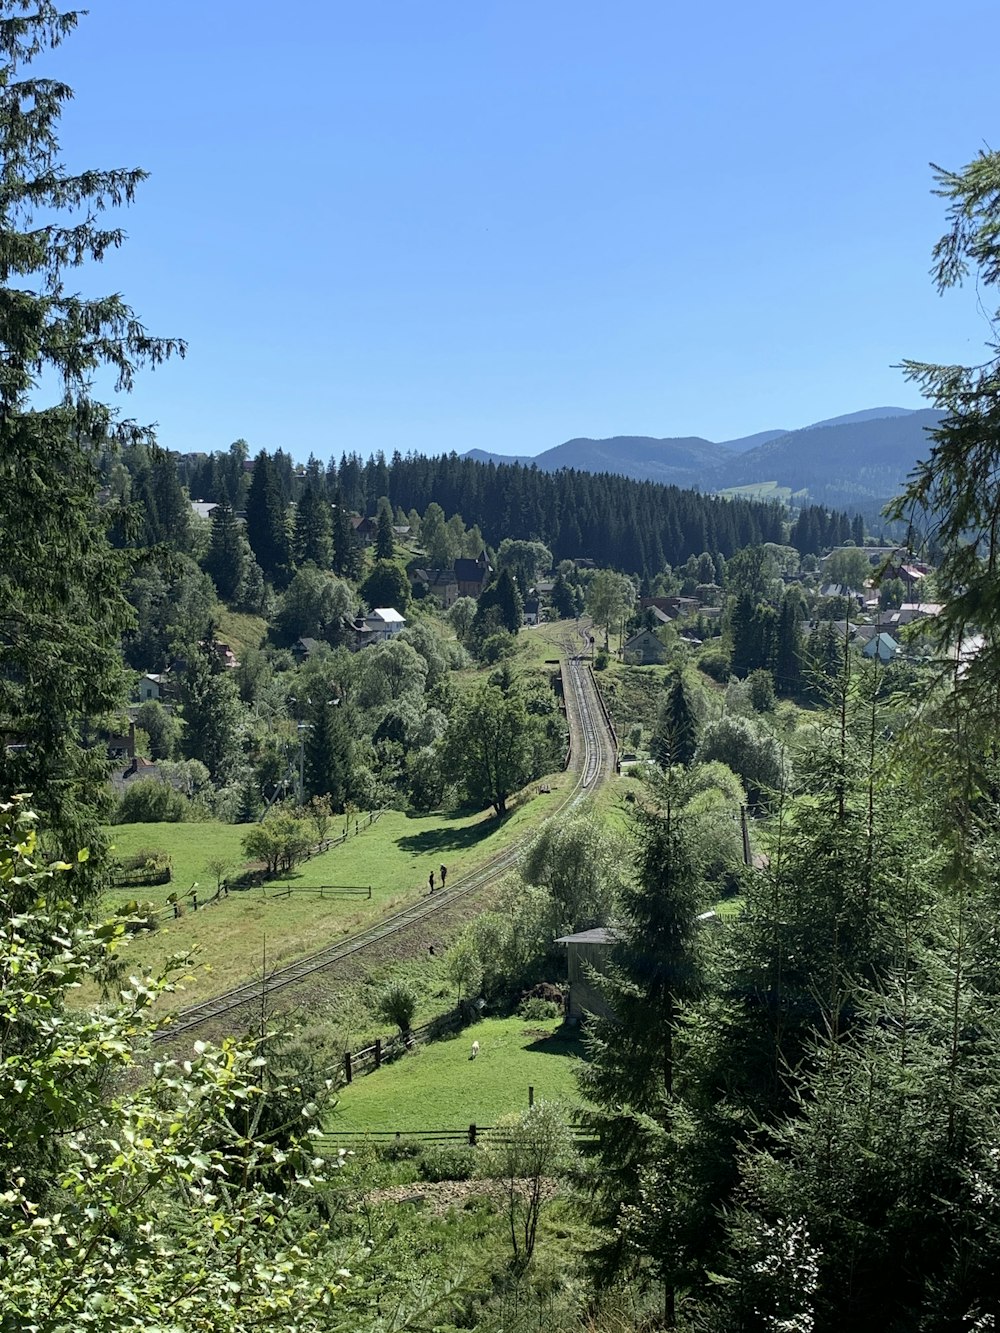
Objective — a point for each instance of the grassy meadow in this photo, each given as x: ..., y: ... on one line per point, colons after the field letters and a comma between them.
x: 393, y: 856
x: 437, y: 1086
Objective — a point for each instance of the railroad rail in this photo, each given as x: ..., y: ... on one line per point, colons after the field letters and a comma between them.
x: 593, y: 760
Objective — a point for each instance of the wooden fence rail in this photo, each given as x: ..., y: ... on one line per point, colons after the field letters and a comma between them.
x: 472, y: 1136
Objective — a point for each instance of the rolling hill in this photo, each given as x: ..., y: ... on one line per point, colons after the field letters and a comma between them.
x: 856, y: 461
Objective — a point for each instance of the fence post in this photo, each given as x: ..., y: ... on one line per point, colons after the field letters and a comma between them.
x: 369, y: 892
x: 531, y: 1096
x: 347, y: 1066
x: 194, y: 901
x: 472, y: 1136
x: 378, y: 1052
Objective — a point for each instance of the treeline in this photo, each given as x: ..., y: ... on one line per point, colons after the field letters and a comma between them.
x: 638, y: 527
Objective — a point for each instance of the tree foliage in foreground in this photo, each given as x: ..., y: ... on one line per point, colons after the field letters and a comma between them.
x: 62, y: 606
x: 163, y: 1206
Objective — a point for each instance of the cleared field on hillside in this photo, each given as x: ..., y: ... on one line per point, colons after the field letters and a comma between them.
x: 439, y: 1087
x: 229, y: 938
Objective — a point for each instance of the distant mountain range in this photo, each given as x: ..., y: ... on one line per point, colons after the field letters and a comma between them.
x: 854, y: 462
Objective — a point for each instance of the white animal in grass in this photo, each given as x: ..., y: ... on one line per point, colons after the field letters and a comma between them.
x: 475, y: 1050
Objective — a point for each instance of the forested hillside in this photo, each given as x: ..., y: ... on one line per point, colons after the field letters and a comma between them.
x: 634, y: 526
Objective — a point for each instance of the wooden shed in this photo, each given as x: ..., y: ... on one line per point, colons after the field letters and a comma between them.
x: 587, y: 953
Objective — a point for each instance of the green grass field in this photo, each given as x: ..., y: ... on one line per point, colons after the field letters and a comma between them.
x: 439, y: 1087
x: 393, y: 855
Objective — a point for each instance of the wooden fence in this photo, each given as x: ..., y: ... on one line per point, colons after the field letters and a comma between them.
x: 383, y: 1049
x: 473, y: 1135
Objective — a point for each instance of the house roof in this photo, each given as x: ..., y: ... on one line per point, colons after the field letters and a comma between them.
x: 471, y: 571
x: 306, y: 644
x: 389, y: 614
x: 599, y: 935
x: 879, y: 644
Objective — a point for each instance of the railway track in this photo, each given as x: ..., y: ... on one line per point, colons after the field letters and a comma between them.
x: 593, y: 760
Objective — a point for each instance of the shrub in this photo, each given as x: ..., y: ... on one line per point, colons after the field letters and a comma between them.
x: 715, y: 663
x: 601, y: 659
x: 534, y: 1007
x: 397, y: 1004
x: 400, y: 1150
x: 447, y: 1161
x: 151, y: 802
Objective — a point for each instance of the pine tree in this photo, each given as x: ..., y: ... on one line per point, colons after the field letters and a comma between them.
x: 312, y: 529
x: 226, y: 561
x: 329, y: 754
x: 62, y: 607
x: 634, y: 1077
x: 385, y: 541
x: 676, y: 737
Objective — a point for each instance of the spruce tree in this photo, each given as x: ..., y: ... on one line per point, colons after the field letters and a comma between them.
x: 346, y: 552
x: 675, y: 739
x: 385, y: 541
x: 312, y: 542
x: 329, y: 754
x: 267, y: 531
x: 634, y: 1077
x: 63, y: 611
x: 226, y: 561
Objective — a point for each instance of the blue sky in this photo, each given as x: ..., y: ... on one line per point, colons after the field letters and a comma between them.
x: 501, y: 224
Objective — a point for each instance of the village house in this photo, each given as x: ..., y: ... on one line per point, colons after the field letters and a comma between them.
x: 883, y: 646
x: 472, y: 576
x: 365, y: 529
x: 303, y: 648
x: 151, y: 686
x: 383, y: 624
x: 644, y: 649
x: 440, y: 583
x: 671, y: 607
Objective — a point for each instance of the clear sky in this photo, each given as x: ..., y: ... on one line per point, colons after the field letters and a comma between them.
x: 504, y: 223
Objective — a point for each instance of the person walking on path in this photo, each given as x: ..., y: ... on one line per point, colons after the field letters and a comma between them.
x: 430, y: 880
x: 444, y: 875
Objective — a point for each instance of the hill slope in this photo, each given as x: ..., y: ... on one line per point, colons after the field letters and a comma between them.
x: 858, y: 464
x: 855, y: 461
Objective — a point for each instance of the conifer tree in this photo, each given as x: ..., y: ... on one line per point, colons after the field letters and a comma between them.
x: 676, y: 737
x: 634, y: 1077
x: 346, y: 552
x: 226, y: 561
x: 329, y: 751
x: 267, y: 531
x: 312, y: 529
x: 385, y: 541
x: 62, y: 607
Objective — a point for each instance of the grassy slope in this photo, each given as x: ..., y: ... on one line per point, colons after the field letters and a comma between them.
x: 439, y: 1087
x: 394, y: 856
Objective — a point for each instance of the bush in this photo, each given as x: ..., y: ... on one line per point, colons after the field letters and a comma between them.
x: 150, y: 802
x: 715, y: 663
x: 760, y: 688
x: 601, y: 659
x: 447, y: 1161
x: 401, y: 1150
x: 537, y: 1009
x: 397, y: 1004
